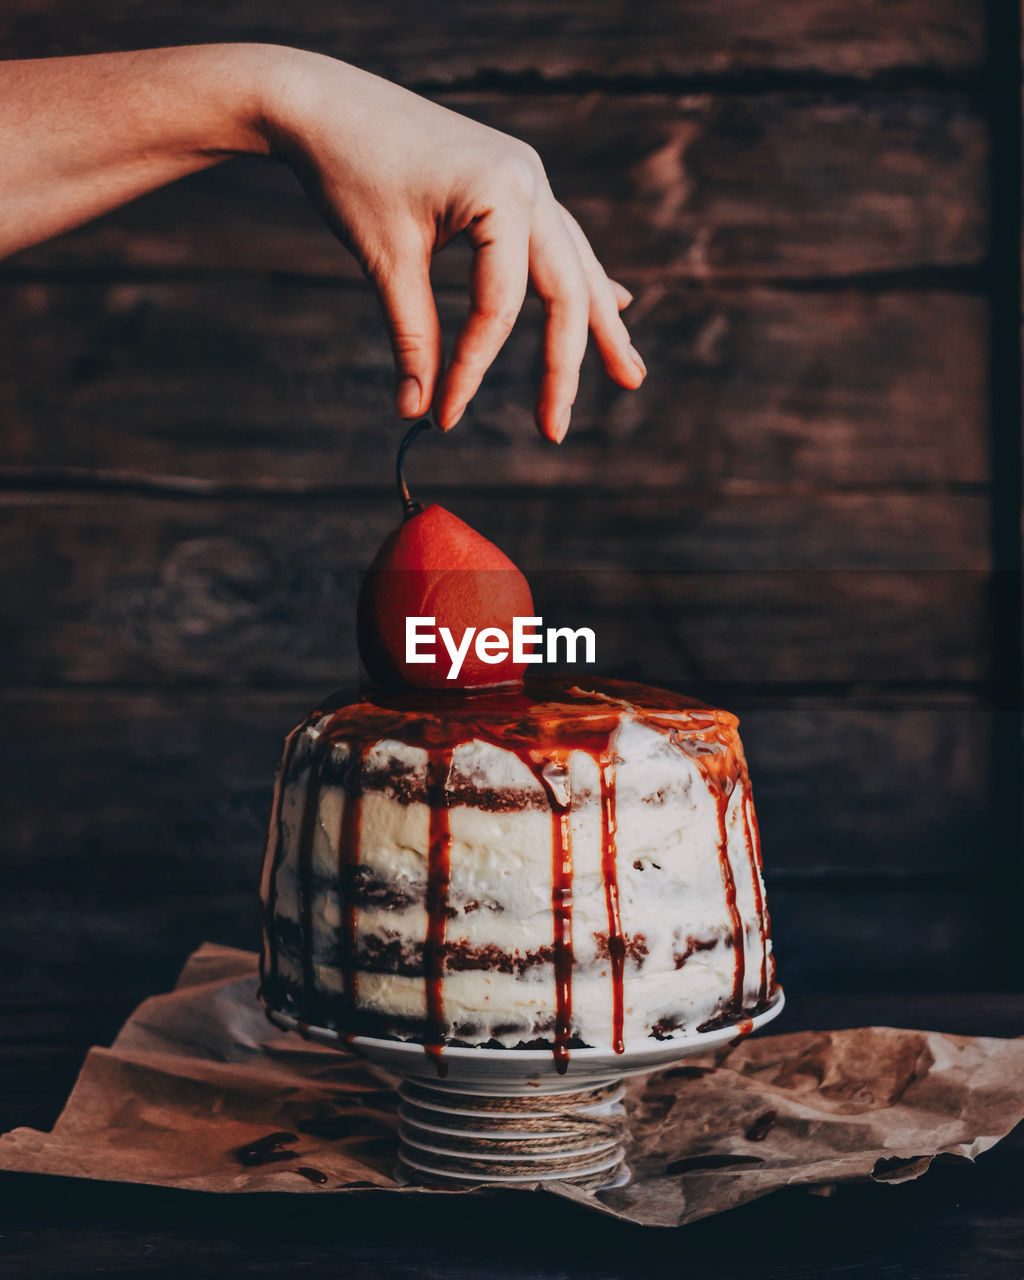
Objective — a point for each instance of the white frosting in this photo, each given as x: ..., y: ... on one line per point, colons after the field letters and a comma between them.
x: 671, y: 892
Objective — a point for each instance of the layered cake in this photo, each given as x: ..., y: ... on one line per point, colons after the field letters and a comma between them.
x: 556, y: 865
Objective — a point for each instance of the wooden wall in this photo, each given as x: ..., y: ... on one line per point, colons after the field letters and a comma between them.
x: 794, y: 515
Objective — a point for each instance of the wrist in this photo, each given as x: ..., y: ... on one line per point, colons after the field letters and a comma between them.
x: 282, y: 109
x: 249, y: 81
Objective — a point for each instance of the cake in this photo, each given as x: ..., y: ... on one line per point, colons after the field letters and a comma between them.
x: 559, y: 865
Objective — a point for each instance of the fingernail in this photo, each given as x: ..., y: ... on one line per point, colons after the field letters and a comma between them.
x: 563, y: 425
x: 408, y: 396
x: 635, y: 356
x: 456, y: 418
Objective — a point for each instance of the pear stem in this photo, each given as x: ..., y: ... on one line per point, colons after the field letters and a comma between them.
x: 409, y: 505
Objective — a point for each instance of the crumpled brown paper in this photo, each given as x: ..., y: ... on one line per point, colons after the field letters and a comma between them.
x: 196, y: 1075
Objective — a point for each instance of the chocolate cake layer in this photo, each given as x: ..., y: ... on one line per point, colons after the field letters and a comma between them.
x: 566, y: 864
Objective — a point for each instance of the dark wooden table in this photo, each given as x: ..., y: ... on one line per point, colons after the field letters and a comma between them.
x: 960, y: 1220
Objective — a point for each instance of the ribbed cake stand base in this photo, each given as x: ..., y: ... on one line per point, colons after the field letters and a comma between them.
x: 449, y: 1138
x: 509, y: 1115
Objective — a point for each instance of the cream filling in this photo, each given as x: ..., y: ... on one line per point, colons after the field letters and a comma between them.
x: 668, y: 869
x: 509, y: 1009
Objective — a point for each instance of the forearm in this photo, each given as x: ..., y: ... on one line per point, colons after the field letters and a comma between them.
x: 84, y: 135
x: 395, y: 175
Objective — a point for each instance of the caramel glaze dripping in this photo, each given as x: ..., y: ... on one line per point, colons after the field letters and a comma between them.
x: 439, y: 871
x: 729, y: 885
x: 743, y: 1028
x: 752, y: 837
x: 318, y: 752
x: 307, y: 831
x: 542, y: 724
x: 348, y: 862
x: 610, y: 874
x: 274, y: 855
x: 561, y: 909
x: 719, y: 757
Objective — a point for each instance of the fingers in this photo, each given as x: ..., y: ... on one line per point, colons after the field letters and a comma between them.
x: 408, y: 303
x: 607, y: 299
x: 623, y: 297
x: 559, y: 279
x: 512, y: 246
x: 497, y: 289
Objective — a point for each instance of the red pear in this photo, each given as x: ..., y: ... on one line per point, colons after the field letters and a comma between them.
x: 435, y: 566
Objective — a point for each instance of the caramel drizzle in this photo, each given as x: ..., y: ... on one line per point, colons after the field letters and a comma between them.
x: 348, y: 862
x: 318, y: 751
x: 705, y: 735
x: 307, y: 830
x: 729, y: 886
x: 747, y: 809
x: 561, y: 912
x: 722, y: 771
x: 438, y: 886
x: 610, y: 875
x: 757, y: 872
x: 439, y: 871
x: 273, y: 858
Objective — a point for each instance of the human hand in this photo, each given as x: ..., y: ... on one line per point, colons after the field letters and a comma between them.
x: 398, y: 177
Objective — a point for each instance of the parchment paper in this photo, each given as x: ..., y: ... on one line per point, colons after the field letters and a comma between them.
x: 198, y: 1074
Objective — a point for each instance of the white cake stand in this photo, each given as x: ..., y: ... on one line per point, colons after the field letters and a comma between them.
x: 507, y: 1116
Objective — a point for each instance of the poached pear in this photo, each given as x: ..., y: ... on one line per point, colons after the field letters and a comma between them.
x: 434, y: 565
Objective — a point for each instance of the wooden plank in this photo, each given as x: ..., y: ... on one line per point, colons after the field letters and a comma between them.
x: 840, y: 587
x: 792, y: 627
x: 977, y: 1013
x: 264, y: 384
x: 862, y: 938
x: 154, y: 787
x: 696, y: 187
x: 962, y: 1220
x: 35, y: 1080
x: 698, y: 38
x: 870, y: 786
